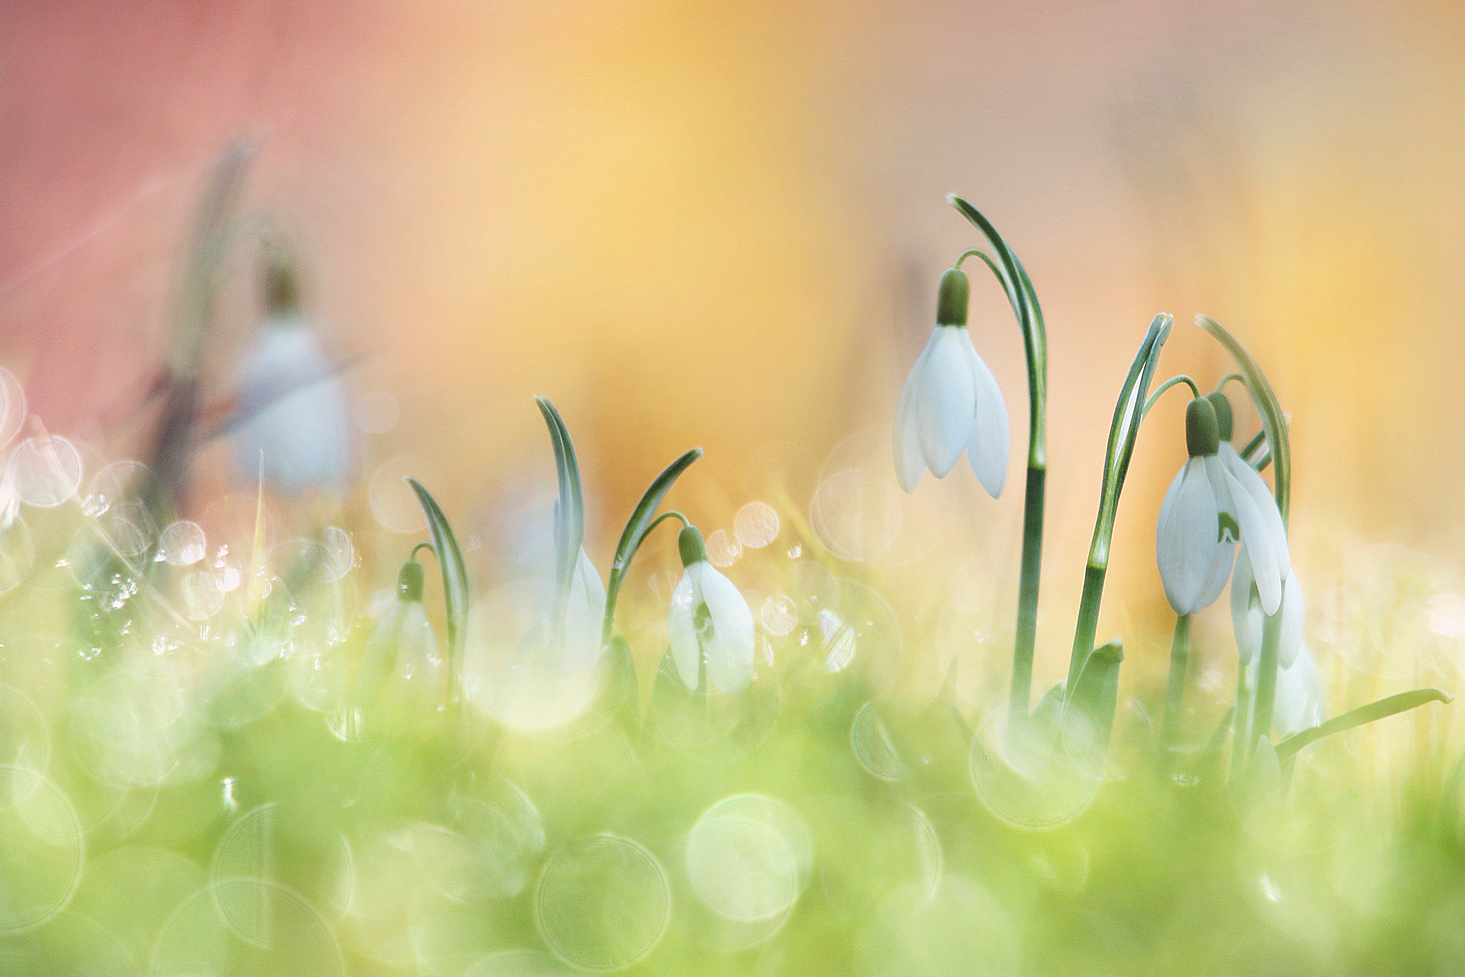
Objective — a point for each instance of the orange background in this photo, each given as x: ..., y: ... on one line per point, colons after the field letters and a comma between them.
x: 722, y: 224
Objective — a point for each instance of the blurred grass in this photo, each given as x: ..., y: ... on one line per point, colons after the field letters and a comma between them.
x: 187, y: 796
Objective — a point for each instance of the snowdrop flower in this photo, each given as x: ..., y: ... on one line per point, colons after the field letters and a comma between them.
x: 709, y: 622
x: 1216, y: 501
x: 1299, y: 703
x: 550, y: 676
x: 1247, y: 614
x: 294, y: 426
x: 951, y: 402
x: 401, y: 661
x: 584, y: 613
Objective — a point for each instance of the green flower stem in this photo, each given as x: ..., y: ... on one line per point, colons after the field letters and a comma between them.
x: 1173, y: 381
x: 1175, y: 688
x: 1025, y: 638
x: 1266, y: 679
x: 455, y: 590
x: 1274, y: 422
x: 1241, y: 716
x: 1024, y: 301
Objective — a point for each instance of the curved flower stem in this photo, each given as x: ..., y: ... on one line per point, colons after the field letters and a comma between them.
x: 1173, y: 381
x: 1274, y: 422
x: 1175, y: 688
x: 642, y: 520
x: 449, y: 556
x: 1024, y: 301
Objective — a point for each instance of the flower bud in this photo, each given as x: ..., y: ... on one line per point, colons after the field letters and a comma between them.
x: 951, y: 303
x: 1222, y: 406
x: 1201, y: 435
x: 692, y: 546
x: 409, y: 581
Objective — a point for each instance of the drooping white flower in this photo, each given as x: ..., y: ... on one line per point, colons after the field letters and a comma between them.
x: 584, y: 613
x: 1248, y: 615
x: 1214, y: 502
x: 1299, y: 702
x: 533, y: 656
x: 951, y: 403
x: 709, y: 622
x: 293, y: 417
x: 401, y: 664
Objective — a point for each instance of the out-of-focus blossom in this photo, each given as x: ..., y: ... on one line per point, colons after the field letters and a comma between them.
x: 709, y: 622
x: 293, y: 421
x: 402, y: 667
x: 951, y: 403
x: 1299, y: 702
x: 1248, y: 616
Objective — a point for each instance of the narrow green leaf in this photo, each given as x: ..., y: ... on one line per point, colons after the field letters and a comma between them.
x: 640, y: 522
x: 1123, y: 432
x: 1274, y: 423
x: 212, y: 232
x: 1094, y: 697
x: 569, y: 533
x: 1382, y: 709
x: 455, y: 577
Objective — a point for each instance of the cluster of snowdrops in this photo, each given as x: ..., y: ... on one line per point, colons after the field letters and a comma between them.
x: 211, y: 763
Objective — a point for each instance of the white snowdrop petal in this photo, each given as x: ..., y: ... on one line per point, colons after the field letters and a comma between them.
x: 379, y: 657
x: 1185, y: 540
x: 991, y: 441
x: 1261, y: 525
x: 681, y: 627
x: 1299, y: 702
x: 1260, y: 543
x: 584, y: 615
x: 294, y: 412
x: 730, y: 652
x: 1220, y: 571
x: 909, y: 465
x: 586, y: 589
x: 417, y: 651
x: 946, y: 400
x: 1246, y: 613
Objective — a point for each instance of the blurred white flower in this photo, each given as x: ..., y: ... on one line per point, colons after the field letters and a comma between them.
x: 950, y: 403
x: 401, y: 662
x: 1248, y: 615
x: 1215, y: 501
x: 709, y: 622
x: 584, y: 614
x: 1299, y: 702
x: 293, y: 420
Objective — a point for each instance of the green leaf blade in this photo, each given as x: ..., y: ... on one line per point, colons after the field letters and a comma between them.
x: 455, y: 575
x: 1372, y: 712
x: 569, y: 534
